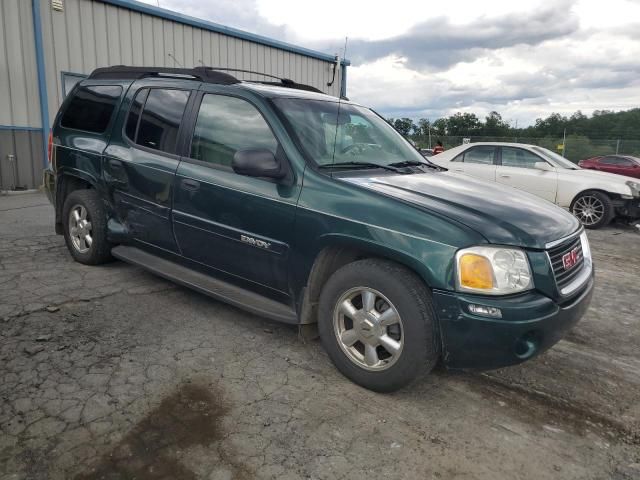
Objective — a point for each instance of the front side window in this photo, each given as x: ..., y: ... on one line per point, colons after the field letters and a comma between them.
x: 518, y: 157
x: 91, y: 108
x: 158, y: 125
x: 226, y: 125
x: 481, y: 155
x: 332, y: 133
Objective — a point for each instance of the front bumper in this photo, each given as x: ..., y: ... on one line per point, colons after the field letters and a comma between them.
x: 530, y: 324
x: 630, y: 209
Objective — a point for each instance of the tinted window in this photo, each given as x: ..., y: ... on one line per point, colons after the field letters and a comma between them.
x: 482, y: 155
x: 134, y: 114
x: 623, y: 162
x: 91, y: 108
x: 161, y: 119
x: 517, y: 157
x: 226, y: 125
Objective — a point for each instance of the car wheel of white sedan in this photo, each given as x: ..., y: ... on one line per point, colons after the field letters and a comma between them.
x: 593, y: 209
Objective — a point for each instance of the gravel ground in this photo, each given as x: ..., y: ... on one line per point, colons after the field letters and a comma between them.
x: 110, y: 372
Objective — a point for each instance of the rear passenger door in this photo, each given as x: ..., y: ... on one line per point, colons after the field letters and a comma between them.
x: 478, y: 161
x: 238, y: 225
x: 141, y: 161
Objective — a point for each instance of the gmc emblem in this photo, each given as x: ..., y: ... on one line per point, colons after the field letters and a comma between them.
x: 570, y: 259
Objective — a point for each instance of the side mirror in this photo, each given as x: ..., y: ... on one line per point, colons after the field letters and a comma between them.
x: 257, y: 162
x: 544, y: 166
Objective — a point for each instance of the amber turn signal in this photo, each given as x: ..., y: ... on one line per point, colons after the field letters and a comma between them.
x: 475, y: 272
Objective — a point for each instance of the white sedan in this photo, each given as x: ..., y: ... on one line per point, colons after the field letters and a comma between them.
x: 595, y: 198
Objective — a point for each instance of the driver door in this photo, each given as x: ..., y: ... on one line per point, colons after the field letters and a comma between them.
x: 240, y: 226
x: 517, y: 169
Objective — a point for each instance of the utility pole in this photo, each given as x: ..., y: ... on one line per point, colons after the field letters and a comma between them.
x: 430, y: 135
x: 617, y: 146
x: 564, y: 141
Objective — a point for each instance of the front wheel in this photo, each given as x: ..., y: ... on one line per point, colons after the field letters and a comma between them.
x: 593, y: 209
x: 377, y: 324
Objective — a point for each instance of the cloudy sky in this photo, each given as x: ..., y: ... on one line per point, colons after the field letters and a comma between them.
x: 414, y: 58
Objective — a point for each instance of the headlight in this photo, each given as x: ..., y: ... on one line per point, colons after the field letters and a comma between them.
x: 493, y: 270
x: 635, y: 188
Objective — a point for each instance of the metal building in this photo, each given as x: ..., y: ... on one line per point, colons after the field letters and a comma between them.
x: 46, y: 46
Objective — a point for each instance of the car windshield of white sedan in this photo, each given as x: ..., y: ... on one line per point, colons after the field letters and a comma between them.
x: 333, y: 133
x: 557, y: 159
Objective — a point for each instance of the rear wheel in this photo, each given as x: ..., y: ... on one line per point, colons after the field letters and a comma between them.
x: 85, y: 227
x: 377, y: 324
x: 593, y: 209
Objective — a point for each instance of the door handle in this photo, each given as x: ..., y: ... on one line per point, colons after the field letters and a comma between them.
x: 117, y: 164
x: 505, y: 176
x: 189, y: 185
x: 458, y: 170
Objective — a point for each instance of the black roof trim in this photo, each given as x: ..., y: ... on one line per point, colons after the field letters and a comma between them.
x: 285, y: 82
x: 204, y: 74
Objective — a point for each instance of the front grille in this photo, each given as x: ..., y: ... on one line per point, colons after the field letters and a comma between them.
x: 564, y: 277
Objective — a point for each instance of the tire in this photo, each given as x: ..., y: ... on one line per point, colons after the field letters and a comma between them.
x: 593, y: 209
x: 95, y: 249
x: 392, y: 286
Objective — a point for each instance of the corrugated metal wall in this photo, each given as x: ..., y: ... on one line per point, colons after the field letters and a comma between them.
x: 20, y: 159
x: 18, y: 76
x: 89, y: 34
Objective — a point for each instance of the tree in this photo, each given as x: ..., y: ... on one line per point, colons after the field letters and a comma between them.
x: 440, y: 126
x: 494, y: 126
x: 405, y: 126
x: 463, y: 124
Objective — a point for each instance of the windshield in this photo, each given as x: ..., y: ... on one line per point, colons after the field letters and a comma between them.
x: 559, y: 160
x: 357, y: 136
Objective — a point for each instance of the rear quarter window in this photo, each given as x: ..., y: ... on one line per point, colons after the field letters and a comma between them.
x: 91, y: 108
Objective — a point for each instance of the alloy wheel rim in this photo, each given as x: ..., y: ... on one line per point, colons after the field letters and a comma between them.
x: 589, y: 210
x: 80, y: 229
x: 368, y: 328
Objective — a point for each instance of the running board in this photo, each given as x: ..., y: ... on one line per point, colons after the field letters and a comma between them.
x: 206, y: 284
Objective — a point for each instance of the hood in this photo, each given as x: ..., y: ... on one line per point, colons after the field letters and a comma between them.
x: 614, y: 182
x: 503, y: 215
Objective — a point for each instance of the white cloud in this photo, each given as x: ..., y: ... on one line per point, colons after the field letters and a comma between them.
x: 524, y: 59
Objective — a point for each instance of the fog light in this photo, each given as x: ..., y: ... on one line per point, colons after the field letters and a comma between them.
x: 484, y: 311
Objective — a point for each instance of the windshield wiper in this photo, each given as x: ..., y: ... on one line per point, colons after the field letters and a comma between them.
x: 415, y: 163
x: 362, y: 165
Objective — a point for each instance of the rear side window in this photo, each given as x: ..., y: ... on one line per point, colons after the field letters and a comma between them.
x: 482, y: 155
x: 134, y: 114
x: 91, y: 108
x: 158, y: 124
x: 623, y: 162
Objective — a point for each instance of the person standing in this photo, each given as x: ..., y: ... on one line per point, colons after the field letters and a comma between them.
x: 439, y: 148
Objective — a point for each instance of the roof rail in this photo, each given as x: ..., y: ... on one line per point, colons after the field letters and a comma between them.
x: 204, y: 74
x: 282, y: 82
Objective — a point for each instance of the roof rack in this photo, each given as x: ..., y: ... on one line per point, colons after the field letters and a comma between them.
x: 204, y: 74
x: 282, y: 82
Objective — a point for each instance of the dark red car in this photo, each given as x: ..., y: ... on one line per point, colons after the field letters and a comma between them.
x: 620, y: 164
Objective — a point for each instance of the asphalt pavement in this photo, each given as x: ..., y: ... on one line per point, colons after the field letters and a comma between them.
x: 111, y: 372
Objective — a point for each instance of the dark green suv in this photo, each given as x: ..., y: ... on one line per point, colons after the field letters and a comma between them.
x: 306, y: 209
